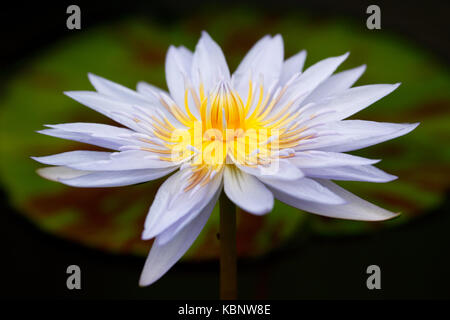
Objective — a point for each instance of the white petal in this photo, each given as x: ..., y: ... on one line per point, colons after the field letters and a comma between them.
x: 149, y: 90
x: 125, y: 160
x: 178, y: 226
x: 292, y: 66
x: 57, y: 173
x: 172, y: 202
x: 110, y: 107
x: 246, y: 64
x: 264, y: 59
x: 354, y: 208
x: 100, y: 179
x: 320, y: 71
x: 335, y: 84
x: 155, y: 95
x: 303, y: 189
x: 73, y: 157
x: 349, y: 135
x: 247, y: 192
x: 163, y: 256
x: 178, y: 66
x: 208, y: 64
x: 351, y: 173
x: 320, y: 159
x: 115, y: 90
x: 280, y: 169
x: 350, y: 101
x: 310, y: 79
x: 101, y: 135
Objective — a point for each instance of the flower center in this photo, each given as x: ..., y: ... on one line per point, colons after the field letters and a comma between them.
x: 219, y: 128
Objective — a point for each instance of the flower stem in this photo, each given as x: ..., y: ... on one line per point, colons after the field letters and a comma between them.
x: 228, y: 282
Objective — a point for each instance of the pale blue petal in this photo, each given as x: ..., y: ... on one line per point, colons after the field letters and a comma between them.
x: 351, y: 173
x: 336, y: 83
x: 354, y: 207
x: 125, y: 160
x: 350, y: 101
x: 208, y: 64
x: 280, y: 169
x: 349, y: 135
x: 118, y: 111
x: 178, y: 67
x: 292, y: 66
x: 73, y: 157
x: 172, y: 202
x: 247, y: 192
x: 117, y: 91
x: 303, y: 189
x: 309, y: 80
x: 101, y: 135
x: 101, y: 179
x: 264, y: 61
x: 163, y: 256
x: 321, y: 159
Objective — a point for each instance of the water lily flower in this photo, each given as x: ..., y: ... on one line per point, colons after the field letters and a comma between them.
x: 269, y: 130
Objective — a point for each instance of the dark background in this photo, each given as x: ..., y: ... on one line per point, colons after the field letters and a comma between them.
x: 414, y: 258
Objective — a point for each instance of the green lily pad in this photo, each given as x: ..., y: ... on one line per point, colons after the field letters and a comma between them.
x: 132, y: 50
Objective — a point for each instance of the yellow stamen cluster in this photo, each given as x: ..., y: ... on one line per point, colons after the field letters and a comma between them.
x: 251, y: 133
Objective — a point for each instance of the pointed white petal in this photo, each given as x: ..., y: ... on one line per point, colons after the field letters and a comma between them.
x: 320, y: 159
x: 101, y: 135
x: 57, y: 173
x: 125, y: 160
x: 354, y: 208
x: 101, y: 179
x: 309, y: 80
x: 246, y: 64
x: 107, y: 106
x: 178, y: 226
x: 264, y: 59
x: 208, y: 64
x: 303, y: 189
x: 93, y: 128
x: 292, y: 66
x: 335, y: 84
x: 178, y: 66
x: 247, y: 192
x: 150, y: 91
x: 82, y: 137
x: 117, y: 91
x: 73, y: 157
x: 349, y: 135
x: 351, y: 173
x: 163, y: 256
x: 280, y: 169
x: 320, y: 71
x: 172, y: 202
x: 350, y: 101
